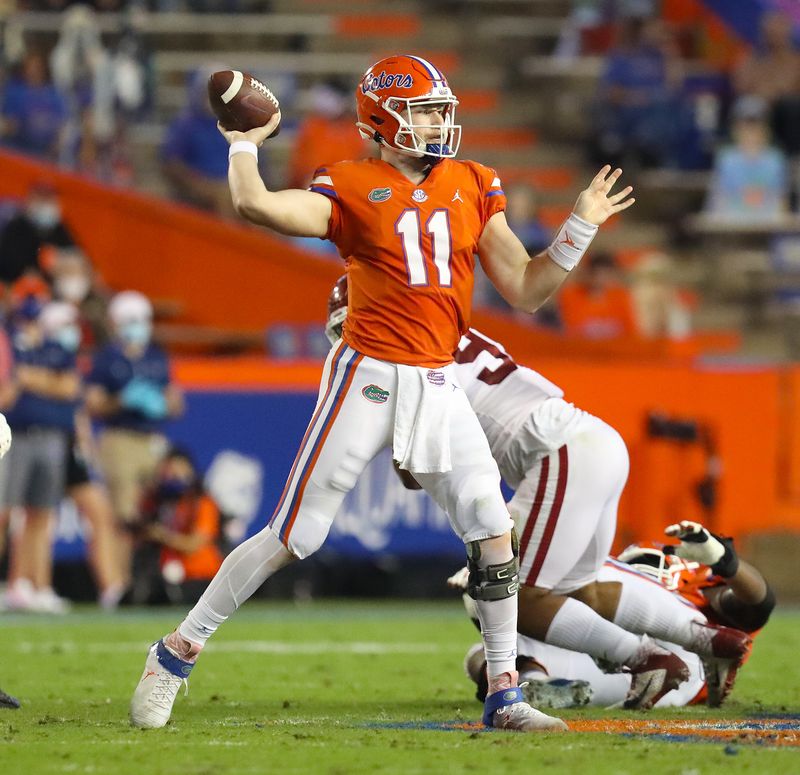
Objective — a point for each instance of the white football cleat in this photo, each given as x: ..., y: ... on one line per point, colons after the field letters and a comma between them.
x: 163, y: 676
x: 508, y: 710
x: 654, y: 672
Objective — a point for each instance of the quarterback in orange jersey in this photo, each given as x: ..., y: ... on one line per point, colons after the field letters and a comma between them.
x: 700, y: 580
x: 408, y: 226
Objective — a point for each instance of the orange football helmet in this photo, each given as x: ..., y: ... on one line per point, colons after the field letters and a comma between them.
x: 387, y: 94
x: 337, y: 310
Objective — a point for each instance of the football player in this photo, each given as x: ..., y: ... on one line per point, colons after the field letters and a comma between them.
x: 704, y: 573
x: 408, y: 225
x: 568, y: 469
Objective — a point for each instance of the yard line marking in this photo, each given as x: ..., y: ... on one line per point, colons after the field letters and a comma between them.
x: 244, y: 647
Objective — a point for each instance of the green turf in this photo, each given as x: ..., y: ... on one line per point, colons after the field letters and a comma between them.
x: 293, y: 689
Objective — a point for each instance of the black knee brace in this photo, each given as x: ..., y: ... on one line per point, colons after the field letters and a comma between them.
x: 494, y: 582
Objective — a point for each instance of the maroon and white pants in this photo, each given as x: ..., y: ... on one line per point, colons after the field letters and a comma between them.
x: 565, y: 509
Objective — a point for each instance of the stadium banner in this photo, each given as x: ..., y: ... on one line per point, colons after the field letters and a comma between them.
x: 245, y: 443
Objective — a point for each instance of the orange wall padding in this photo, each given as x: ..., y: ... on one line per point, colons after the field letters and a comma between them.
x: 744, y: 410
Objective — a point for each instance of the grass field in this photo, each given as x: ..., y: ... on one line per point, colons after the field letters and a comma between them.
x: 344, y: 688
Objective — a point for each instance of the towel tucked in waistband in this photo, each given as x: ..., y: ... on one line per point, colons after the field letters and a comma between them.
x: 422, y: 419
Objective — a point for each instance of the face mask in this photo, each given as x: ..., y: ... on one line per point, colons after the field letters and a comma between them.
x: 136, y: 332
x: 73, y: 289
x: 45, y: 215
x: 68, y: 337
x: 172, y: 489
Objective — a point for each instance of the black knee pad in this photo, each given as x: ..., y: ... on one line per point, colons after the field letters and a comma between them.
x: 494, y: 582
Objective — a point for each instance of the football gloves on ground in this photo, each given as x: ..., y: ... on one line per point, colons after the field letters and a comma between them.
x: 700, y: 545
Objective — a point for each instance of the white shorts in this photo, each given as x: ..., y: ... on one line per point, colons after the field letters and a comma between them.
x: 565, y: 508
x: 352, y: 422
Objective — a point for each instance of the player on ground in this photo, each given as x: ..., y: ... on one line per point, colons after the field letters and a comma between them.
x: 568, y: 469
x: 408, y: 226
x: 710, y: 583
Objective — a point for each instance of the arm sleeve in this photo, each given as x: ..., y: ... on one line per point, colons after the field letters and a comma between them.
x: 745, y: 616
x: 322, y: 183
x: 494, y: 198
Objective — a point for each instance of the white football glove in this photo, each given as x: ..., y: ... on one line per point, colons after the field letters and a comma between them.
x: 699, y: 545
x: 459, y: 580
x: 5, y: 436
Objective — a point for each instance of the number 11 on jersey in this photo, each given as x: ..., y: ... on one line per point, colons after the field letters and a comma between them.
x: 438, y: 227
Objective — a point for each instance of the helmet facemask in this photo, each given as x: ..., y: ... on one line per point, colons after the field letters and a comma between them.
x: 407, y: 139
x: 664, y: 568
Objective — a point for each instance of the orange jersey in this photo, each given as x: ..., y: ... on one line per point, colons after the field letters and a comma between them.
x: 410, y: 253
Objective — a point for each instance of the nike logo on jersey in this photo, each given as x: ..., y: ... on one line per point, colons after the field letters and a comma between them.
x: 567, y: 241
x: 457, y: 196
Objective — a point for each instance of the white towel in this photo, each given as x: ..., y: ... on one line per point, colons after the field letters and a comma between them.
x: 421, y: 441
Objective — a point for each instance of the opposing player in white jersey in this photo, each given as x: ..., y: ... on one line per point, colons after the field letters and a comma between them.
x: 699, y: 580
x: 568, y: 469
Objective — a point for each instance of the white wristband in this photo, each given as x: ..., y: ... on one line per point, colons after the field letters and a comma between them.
x: 243, y: 146
x: 574, y: 238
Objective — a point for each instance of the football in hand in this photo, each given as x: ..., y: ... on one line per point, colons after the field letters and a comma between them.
x: 240, y: 101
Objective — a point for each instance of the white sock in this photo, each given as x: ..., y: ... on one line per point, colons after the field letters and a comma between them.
x: 651, y: 610
x: 578, y: 628
x: 498, y: 621
x: 244, y: 570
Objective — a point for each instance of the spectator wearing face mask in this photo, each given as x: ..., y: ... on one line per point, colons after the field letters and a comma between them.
x: 131, y: 393
x: 75, y: 281
x: 180, y: 529
x: 28, y: 233
x: 40, y: 405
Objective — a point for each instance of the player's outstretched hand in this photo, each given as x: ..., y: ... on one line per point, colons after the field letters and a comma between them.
x: 596, y: 204
x: 257, y: 135
x: 700, y: 545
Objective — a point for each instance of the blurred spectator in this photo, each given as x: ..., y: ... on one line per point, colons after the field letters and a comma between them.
x: 661, y: 309
x: 635, y: 120
x: 33, y: 112
x: 75, y: 281
x: 91, y: 499
x: 328, y: 133
x: 750, y: 178
x: 773, y: 70
x: 102, y: 89
x: 130, y: 392
x: 83, y: 73
x: 195, y: 154
x: 26, y: 237
x: 180, y: 529
x: 40, y: 405
x: 597, y: 305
